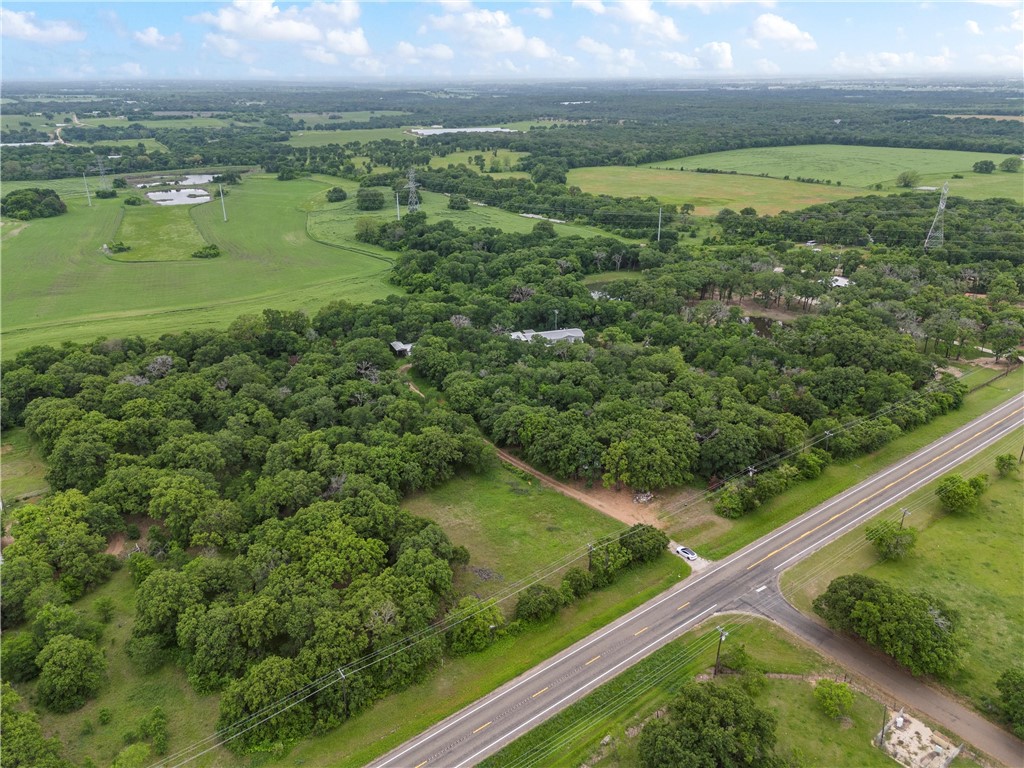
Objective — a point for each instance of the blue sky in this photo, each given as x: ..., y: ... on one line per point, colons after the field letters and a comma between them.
x: 344, y: 40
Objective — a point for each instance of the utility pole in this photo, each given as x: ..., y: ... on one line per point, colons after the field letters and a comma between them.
x: 223, y: 209
x: 885, y: 722
x: 722, y: 634
x: 905, y: 512
x: 398, y: 210
x: 87, y: 196
x: 556, y: 319
x: 659, y: 224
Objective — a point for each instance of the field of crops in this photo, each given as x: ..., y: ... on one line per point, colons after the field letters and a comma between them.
x: 58, y: 285
x: 863, y: 167
x: 708, y: 192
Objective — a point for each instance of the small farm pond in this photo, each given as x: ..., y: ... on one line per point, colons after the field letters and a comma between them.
x: 188, y: 196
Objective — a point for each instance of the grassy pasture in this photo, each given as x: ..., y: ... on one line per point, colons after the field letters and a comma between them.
x: 573, y: 736
x: 336, y: 222
x: 158, y: 233
x: 151, y: 145
x: 863, y: 166
x: 174, y: 122
x: 344, y: 116
x: 511, y: 526
x: 22, y: 470
x: 973, y: 562
x: 464, y: 158
x: 11, y: 122
x: 73, y: 292
x: 708, y: 192
x: 363, y: 135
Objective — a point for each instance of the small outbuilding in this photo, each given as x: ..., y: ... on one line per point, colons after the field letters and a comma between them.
x: 571, y: 335
x: 400, y: 348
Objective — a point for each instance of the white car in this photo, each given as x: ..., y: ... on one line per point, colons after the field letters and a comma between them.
x: 686, y: 552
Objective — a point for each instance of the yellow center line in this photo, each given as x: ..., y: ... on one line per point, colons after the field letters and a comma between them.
x: 483, y: 726
x: 683, y: 605
x: 591, y: 661
x: 641, y: 631
x: 421, y: 764
x: 538, y: 693
x: 882, y: 490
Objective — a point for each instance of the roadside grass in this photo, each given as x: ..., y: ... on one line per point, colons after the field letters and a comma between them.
x: 619, y: 707
x: 512, y: 525
x: 863, y: 167
x: 129, y: 694
x: 158, y: 233
x: 973, y: 562
x: 22, y: 469
x: 462, y: 681
x: 342, y: 137
x: 74, y: 293
x: 719, y: 540
x: 708, y: 192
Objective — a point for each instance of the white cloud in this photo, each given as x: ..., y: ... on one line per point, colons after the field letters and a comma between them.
x: 490, y: 33
x: 343, y: 11
x: 594, y: 6
x: 769, y: 27
x: 972, y: 26
x: 369, y: 65
x: 262, y: 20
x: 320, y: 55
x: 414, y: 55
x: 707, y: 6
x: 594, y: 47
x: 23, y: 26
x: 128, y: 69
x: 893, y: 62
x: 767, y: 67
x: 151, y: 37
x: 715, y: 55
x: 540, y: 11
x: 351, y: 42
x: 680, y: 60
x: 1016, y: 22
x: 227, y: 47
x: 1012, y: 62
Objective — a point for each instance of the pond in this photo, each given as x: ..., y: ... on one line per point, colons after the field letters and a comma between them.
x: 189, y: 196
x: 171, y: 181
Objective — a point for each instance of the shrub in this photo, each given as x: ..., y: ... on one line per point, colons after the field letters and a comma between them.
x: 458, y: 203
x: 32, y: 203
x: 576, y: 583
x: 537, y: 603
x: 835, y: 698
x: 336, y: 195
x: 105, y: 716
x: 119, y: 247
x: 18, y: 657
x: 133, y: 200
x: 104, y: 609
x: 105, y: 194
x: 71, y: 671
x: 369, y: 200
x: 210, y: 251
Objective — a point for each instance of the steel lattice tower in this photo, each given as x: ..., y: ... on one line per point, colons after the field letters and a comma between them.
x: 936, y: 237
x: 414, y: 200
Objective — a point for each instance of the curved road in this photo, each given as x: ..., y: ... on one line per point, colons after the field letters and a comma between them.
x: 743, y: 581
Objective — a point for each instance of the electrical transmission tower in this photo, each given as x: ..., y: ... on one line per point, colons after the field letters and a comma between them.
x: 936, y: 236
x: 414, y: 200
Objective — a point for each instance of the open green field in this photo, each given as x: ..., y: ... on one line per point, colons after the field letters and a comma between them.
x: 341, y: 116
x: 715, y: 537
x: 158, y: 233
x: 511, y: 526
x: 707, y: 192
x: 336, y: 222
x: 362, y: 135
x: 174, y: 122
x: 73, y: 292
x: 504, y: 157
x: 973, y: 562
x: 151, y: 145
x: 12, y: 122
x: 863, y: 167
x: 22, y: 470
x: 574, y: 736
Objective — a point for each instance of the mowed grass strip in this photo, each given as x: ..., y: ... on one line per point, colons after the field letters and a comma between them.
x: 863, y: 167
x: 619, y: 707
x: 973, y: 562
x: 707, y: 192
x: 60, y: 286
x: 158, y: 233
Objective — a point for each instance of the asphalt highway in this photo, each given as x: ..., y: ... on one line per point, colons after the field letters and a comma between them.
x: 743, y: 581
